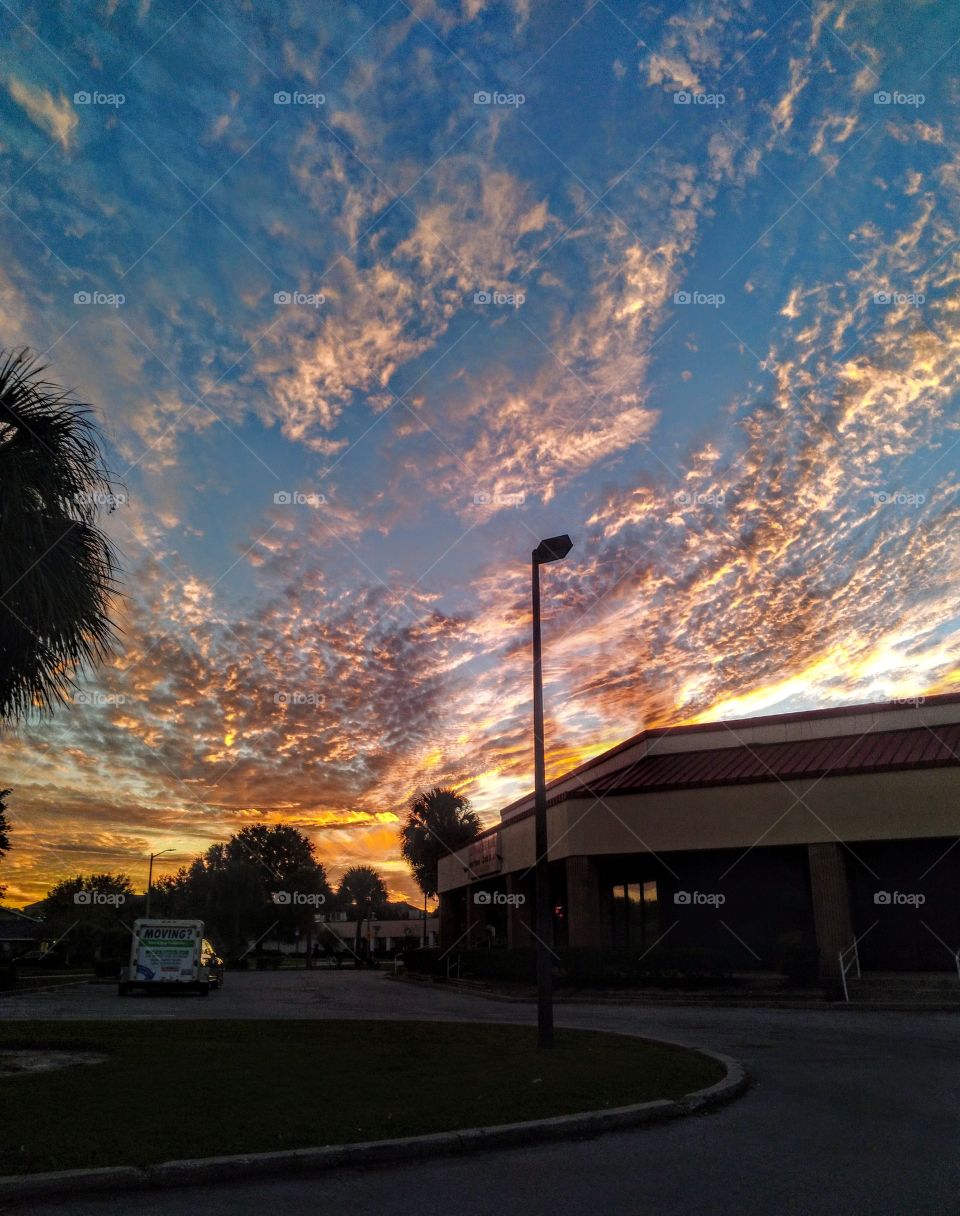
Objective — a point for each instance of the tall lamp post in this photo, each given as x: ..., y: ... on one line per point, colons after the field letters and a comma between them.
x: 554, y: 549
x: 150, y: 877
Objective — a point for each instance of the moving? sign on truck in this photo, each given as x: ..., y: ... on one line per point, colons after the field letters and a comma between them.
x: 167, y: 952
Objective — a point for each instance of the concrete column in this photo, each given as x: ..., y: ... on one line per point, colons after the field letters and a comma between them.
x: 832, y: 921
x: 584, y: 925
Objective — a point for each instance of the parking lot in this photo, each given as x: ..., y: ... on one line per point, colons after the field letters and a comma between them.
x: 849, y: 1111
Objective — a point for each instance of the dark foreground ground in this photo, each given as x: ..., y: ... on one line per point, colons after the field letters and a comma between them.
x: 853, y: 1113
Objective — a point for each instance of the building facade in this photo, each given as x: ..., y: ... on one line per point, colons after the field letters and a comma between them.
x: 812, y: 829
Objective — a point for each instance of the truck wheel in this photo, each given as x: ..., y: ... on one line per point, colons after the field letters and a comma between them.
x: 122, y: 989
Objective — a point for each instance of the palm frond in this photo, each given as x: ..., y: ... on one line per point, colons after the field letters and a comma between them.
x: 58, y: 571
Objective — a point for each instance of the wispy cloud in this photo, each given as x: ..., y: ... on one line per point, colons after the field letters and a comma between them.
x: 54, y: 115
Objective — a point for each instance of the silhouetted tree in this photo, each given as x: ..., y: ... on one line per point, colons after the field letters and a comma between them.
x: 235, y: 886
x: 439, y: 822
x: 57, y: 568
x: 4, y: 831
x: 362, y: 893
x: 85, y: 916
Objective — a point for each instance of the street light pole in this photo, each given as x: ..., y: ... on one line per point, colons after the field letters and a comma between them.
x: 554, y: 549
x: 150, y: 877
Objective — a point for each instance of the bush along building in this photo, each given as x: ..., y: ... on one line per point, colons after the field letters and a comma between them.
x: 767, y: 843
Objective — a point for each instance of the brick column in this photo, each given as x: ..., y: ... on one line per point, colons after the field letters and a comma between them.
x: 584, y: 926
x: 831, y: 908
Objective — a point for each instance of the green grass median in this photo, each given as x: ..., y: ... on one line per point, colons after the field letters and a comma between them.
x: 195, y: 1089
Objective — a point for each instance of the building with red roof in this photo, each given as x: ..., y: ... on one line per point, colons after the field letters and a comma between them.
x: 820, y: 828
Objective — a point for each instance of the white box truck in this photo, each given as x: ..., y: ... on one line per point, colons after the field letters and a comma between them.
x: 167, y: 954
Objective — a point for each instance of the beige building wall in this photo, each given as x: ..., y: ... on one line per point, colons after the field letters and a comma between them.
x: 877, y: 806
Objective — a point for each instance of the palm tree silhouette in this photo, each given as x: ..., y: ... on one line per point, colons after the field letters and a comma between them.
x: 57, y: 568
x: 362, y: 890
x: 439, y: 822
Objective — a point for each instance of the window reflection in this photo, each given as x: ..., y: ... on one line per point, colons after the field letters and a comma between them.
x: 636, y: 914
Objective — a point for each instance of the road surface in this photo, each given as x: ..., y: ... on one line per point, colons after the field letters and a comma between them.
x: 853, y: 1113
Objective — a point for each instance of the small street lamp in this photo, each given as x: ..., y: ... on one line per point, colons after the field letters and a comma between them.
x: 554, y: 549
x: 150, y: 877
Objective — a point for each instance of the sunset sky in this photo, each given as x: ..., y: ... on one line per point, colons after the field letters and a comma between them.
x: 717, y: 340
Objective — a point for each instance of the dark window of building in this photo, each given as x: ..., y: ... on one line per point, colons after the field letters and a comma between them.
x: 651, y: 913
x: 636, y: 915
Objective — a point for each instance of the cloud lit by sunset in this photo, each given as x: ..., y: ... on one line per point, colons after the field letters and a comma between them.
x: 692, y: 300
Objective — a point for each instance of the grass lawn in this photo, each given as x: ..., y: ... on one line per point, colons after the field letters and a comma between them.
x: 197, y: 1089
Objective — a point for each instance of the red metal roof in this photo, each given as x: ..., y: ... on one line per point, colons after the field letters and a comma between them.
x: 838, y: 756
x: 806, y: 715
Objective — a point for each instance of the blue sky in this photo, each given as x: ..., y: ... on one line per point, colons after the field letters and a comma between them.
x: 720, y: 350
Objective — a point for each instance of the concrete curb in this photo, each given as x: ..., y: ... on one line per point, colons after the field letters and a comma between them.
x: 402, y: 1151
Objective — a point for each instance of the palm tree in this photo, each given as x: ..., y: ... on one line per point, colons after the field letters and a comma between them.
x: 4, y: 831
x: 439, y: 822
x: 57, y: 568
x: 362, y: 890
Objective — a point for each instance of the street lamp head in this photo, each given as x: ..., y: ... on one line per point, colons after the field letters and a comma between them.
x: 553, y: 549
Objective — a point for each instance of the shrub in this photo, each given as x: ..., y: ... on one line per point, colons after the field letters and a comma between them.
x: 797, y: 959
x: 586, y: 968
x: 687, y: 967
x: 425, y: 960
x: 515, y: 966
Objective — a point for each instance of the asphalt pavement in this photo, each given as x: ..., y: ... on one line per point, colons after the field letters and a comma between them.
x: 850, y: 1112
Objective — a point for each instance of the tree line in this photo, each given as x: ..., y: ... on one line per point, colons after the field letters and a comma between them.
x: 264, y: 883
